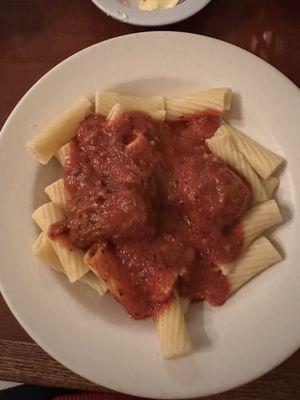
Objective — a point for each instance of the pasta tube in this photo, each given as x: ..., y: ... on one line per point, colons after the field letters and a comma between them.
x: 57, y: 193
x: 259, y: 256
x: 63, y: 153
x: 213, y: 99
x: 154, y: 106
x: 254, y: 223
x: 222, y: 146
x: 60, y: 132
x: 261, y: 159
x: 43, y: 250
x: 172, y: 330
x: 71, y: 259
x: 270, y: 185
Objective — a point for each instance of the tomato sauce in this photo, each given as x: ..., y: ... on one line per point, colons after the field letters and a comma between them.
x: 164, y: 207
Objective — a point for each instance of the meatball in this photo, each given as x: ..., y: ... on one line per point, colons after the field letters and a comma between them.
x: 95, y: 215
x: 210, y: 190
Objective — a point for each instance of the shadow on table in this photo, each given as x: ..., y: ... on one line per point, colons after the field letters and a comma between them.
x: 29, y: 392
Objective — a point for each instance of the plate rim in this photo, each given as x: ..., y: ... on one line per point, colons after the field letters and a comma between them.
x: 293, y: 348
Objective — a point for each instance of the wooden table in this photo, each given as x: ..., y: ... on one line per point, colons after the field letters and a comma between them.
x: 37, y: 34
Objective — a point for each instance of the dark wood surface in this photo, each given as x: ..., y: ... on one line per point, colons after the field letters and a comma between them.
x: 37, y: 34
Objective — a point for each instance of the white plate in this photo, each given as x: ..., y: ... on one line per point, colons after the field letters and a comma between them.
x: 256, y: 329
x: 127, y: 11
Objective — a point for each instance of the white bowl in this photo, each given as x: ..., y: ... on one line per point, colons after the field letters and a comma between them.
x: 127, y: 11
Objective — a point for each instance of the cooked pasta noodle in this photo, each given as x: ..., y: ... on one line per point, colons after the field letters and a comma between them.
x: 221, y: 144
x: 261, y: 159
x: 254, y: 223
x: 57, y: 193
x: 63, y: 153
x: 70, y: 258
x: 153, y: 106
x: 172, y: 330
x: 270, y: 185
x: 60, y: 132
x: 259, y: 256
x: 212, y: 99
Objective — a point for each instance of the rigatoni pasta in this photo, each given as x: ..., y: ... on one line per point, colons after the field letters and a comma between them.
x: 256, y: 221
x: 185, y: 303
x: 161, y: 203
x: 62, y: 153
x: 270, y: 184
x: 57, y: 193
x: 259, y: 219
x: 154, y: 106
x: 172, y: 330
x: 116, y: 111
x: 60, y: 132
x: 72, y: 260
x: 43, y: 250
x: 218, y: 99
x: 221, y: 144
x: 94, y: 282
x: 102, y: 260
x: 259, y: 256
x: 262, y: 160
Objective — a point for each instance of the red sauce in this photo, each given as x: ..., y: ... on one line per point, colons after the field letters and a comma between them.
x: 159, y: 203
x: 205, y: 281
